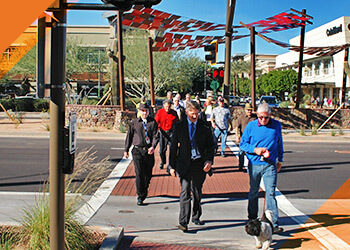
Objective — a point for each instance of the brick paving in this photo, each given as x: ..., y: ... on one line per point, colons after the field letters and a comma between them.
x: 226, y: 180
x: 129, y: 243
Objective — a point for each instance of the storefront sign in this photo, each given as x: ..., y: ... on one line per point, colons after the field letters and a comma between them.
x: 334, y: 30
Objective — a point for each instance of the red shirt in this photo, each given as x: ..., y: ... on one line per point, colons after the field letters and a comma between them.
x: 166, y: 120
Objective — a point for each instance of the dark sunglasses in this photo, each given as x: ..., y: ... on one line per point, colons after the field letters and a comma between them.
x: 264, y: 117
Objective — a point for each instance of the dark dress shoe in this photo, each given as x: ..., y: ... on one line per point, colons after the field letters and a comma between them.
x: 139, y: 202
x: 198, y: 222
x: 277, y: 230
x: 182, y: 227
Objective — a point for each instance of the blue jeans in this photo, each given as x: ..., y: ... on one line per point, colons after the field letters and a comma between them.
x: 223, y: 133
x: 269, y: 174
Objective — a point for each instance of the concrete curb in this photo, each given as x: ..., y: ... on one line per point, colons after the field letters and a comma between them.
x: 113, y: 239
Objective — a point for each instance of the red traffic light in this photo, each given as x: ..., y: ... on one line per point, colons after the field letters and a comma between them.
x: 219, y: 74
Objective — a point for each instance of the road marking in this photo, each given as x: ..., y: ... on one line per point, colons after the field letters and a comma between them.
x: 117, y: 148
x: 101, y: 195
x: 342, y: 152
x: 323, y: 235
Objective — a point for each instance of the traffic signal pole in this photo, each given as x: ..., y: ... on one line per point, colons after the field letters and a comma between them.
x: 252, y: 65
x: 120, y: 59
x: 57, y: 120
x: 40, y: 85
x: 151, y: 74
x: 228, y: 41
x: 300, y: 64
x: 343, y: 89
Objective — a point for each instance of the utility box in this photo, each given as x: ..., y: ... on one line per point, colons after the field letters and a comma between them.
x: 70, y: 144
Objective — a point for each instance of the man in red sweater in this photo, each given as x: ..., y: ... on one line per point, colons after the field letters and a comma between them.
x: 165, y: 117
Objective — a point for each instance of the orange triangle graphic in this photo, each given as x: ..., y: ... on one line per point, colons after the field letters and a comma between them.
x: 334, y: 215
x: 16, y: 16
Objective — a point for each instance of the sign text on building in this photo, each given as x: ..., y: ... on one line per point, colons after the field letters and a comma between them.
x: 334, y: 30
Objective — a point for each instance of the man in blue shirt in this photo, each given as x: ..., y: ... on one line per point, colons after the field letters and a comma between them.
x: 263, y: 144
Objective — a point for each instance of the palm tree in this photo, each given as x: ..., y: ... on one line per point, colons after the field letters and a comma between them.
x: 238, y: 70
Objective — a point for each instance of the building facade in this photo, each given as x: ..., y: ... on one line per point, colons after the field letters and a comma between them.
x: 322, y: 76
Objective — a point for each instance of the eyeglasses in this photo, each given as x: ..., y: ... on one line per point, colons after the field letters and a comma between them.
x: 263, y: 117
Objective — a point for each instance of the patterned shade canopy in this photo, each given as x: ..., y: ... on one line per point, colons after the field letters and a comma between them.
x: 172, y: 25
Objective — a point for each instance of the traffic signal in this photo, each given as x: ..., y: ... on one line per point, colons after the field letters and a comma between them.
x: 219, y: 74
x: 213, y: 49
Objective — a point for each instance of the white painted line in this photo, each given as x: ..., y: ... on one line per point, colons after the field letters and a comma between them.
x: 235, y: 150
x: 322, y: 234
x: 117, y: 148
x: 103, y: 192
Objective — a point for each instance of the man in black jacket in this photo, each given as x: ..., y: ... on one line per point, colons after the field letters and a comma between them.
x: 143, y: 134
x: 191, y: 156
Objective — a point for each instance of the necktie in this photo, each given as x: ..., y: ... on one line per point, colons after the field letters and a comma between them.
x: 192, y: 129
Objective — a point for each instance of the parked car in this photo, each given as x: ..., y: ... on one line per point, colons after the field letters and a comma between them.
x: 234, y: 100
x: 27, y: 96
x: 271, y: 100
x: 159, y: 102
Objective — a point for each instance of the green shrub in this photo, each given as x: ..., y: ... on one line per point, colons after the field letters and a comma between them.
x: 315, y: 128
x: 307, y: 99
x: 89, y: 101
x: 26, y: 104
x: 8, y: 104
x: 333, y: 132
x: 41, y: 105
x: 35, y: 233
x: 341, y: 132
x: 302, y: 131
x: 284, y: 104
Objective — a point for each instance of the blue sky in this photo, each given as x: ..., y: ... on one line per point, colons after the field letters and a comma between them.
x: 246, y: 11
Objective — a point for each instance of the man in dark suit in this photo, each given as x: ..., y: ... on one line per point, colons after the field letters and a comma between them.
x: 191, y: 156
x: 143, y: 134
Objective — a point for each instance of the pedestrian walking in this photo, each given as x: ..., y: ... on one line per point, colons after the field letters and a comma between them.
x: 208, y: 109
x: 166, y: 118
x: 169, y: 95
x: 143, y: 134
x: 187, y: 99
x: 178, y: 96
x: 263, y: 144
x: 191, y: 157
x: 178, y: 108
x: 241, y: 123
x: 221, y: 120
x: 142, y: 100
